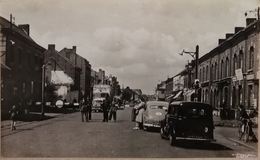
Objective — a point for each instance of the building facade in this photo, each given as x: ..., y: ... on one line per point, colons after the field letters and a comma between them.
x: 228, y: 73
x: 20, y: 56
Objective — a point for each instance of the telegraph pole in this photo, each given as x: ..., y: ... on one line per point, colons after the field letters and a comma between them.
x: 196, y: 61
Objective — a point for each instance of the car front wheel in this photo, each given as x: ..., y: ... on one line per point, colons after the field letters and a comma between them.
x: 161, y: 133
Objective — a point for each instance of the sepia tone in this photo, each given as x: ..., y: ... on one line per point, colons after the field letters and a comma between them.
x: 130, y: 79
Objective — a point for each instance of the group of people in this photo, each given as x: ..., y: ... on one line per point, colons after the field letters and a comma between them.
x: 109, y: 109
x: 85, y: 109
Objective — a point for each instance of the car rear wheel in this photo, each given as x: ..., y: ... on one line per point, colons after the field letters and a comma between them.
x: 172, y: 139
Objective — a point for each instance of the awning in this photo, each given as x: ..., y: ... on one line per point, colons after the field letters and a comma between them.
x: 5, y: 67
x: 60, y: 78
x: 177, y: 95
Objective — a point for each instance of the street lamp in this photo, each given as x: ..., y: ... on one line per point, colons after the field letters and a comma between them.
x: 43, y: 87
x: 195, y: 56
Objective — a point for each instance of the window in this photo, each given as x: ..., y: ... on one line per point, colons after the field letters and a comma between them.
x: 216, y: 71
x: 200, y: 75
x: 222, y: 69
x: 251, y: 57
x: 234, y: 64
x: 32, y: 87
x: 19, y: 56
x: 240, y: 62
x: 211, y: 72
x: 203, y: 76
x: 207, y: 73
x: 250, y: 96
x: 227, y: 67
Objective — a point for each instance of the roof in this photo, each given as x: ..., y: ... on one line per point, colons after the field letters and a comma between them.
x: 6, y: 25
x: 238, y: 34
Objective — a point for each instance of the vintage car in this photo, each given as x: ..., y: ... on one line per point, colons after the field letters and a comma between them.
x: 154, y: 112
x: 188, y: 120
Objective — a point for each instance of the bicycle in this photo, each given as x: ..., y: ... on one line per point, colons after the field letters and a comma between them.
x: 245, y: 131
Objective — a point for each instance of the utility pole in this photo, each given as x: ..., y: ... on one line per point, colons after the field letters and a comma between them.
x: 195, y: 56
x: 197, y: 61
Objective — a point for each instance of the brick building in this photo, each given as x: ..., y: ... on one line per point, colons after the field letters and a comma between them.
x: 20, y: 56
x: 82, y: 72
x: 228, y: 73
x: 56, y: 62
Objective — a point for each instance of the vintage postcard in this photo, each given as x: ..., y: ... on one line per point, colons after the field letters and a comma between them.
x: 130, y: 78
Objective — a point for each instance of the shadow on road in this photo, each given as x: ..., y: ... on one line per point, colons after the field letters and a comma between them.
x: 200, y: 145
x: 154, y: 130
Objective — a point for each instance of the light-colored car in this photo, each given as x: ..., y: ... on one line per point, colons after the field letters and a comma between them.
x: 154, y: 112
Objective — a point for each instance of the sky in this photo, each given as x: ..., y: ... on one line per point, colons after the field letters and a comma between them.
x: 138, y: 41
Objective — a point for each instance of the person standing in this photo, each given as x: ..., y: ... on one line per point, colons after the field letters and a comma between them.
x: 139, y: 117
x: 113, y: 109
x: 90, y: 109
x: 83, y: 110
x: 14, y: 116
x: 105, y: 108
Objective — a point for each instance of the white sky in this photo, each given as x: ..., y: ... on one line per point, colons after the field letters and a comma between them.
x: 136, y: 40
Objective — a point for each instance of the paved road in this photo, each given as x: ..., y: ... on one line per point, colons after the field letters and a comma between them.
x: 67, y: 136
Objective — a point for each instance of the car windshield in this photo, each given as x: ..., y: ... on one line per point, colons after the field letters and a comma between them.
x: 158, y: 107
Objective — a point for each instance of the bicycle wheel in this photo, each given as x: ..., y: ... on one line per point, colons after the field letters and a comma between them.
x: 246, y: 135
x: 240, y: 132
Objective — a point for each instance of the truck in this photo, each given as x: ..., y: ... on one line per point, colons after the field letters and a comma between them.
x: 100, y: 92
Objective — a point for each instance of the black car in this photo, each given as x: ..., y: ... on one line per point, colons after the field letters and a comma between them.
x: 188, y: 120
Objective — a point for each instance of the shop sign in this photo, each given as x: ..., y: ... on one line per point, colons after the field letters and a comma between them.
x: 250, y: 77
x: 239, y: 74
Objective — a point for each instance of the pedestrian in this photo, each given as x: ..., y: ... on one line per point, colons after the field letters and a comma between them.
x: 90, y: 108
x: 83, y: 110
x: 105, y: 108
x: 139, y: 111
x: 112, y: 110
x: 14, y: 116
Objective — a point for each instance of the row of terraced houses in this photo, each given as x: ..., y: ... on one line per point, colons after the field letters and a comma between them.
x: 228, y: 75
x: 24, y: 63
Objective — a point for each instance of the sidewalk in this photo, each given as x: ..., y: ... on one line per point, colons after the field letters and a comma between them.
x: 226, y: 123
x: 231, y: 133
x: 30, y: 118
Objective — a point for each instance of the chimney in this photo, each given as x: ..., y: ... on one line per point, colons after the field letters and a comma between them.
x: 74, y: 48
x: 228, y: 35
x: 237, y: 29
x: 25, y: 28
x: 51, y: 47
x: 221, y: 41
x: 250, y: 20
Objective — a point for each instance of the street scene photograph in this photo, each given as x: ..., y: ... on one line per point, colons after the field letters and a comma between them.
x: 130, y: 78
